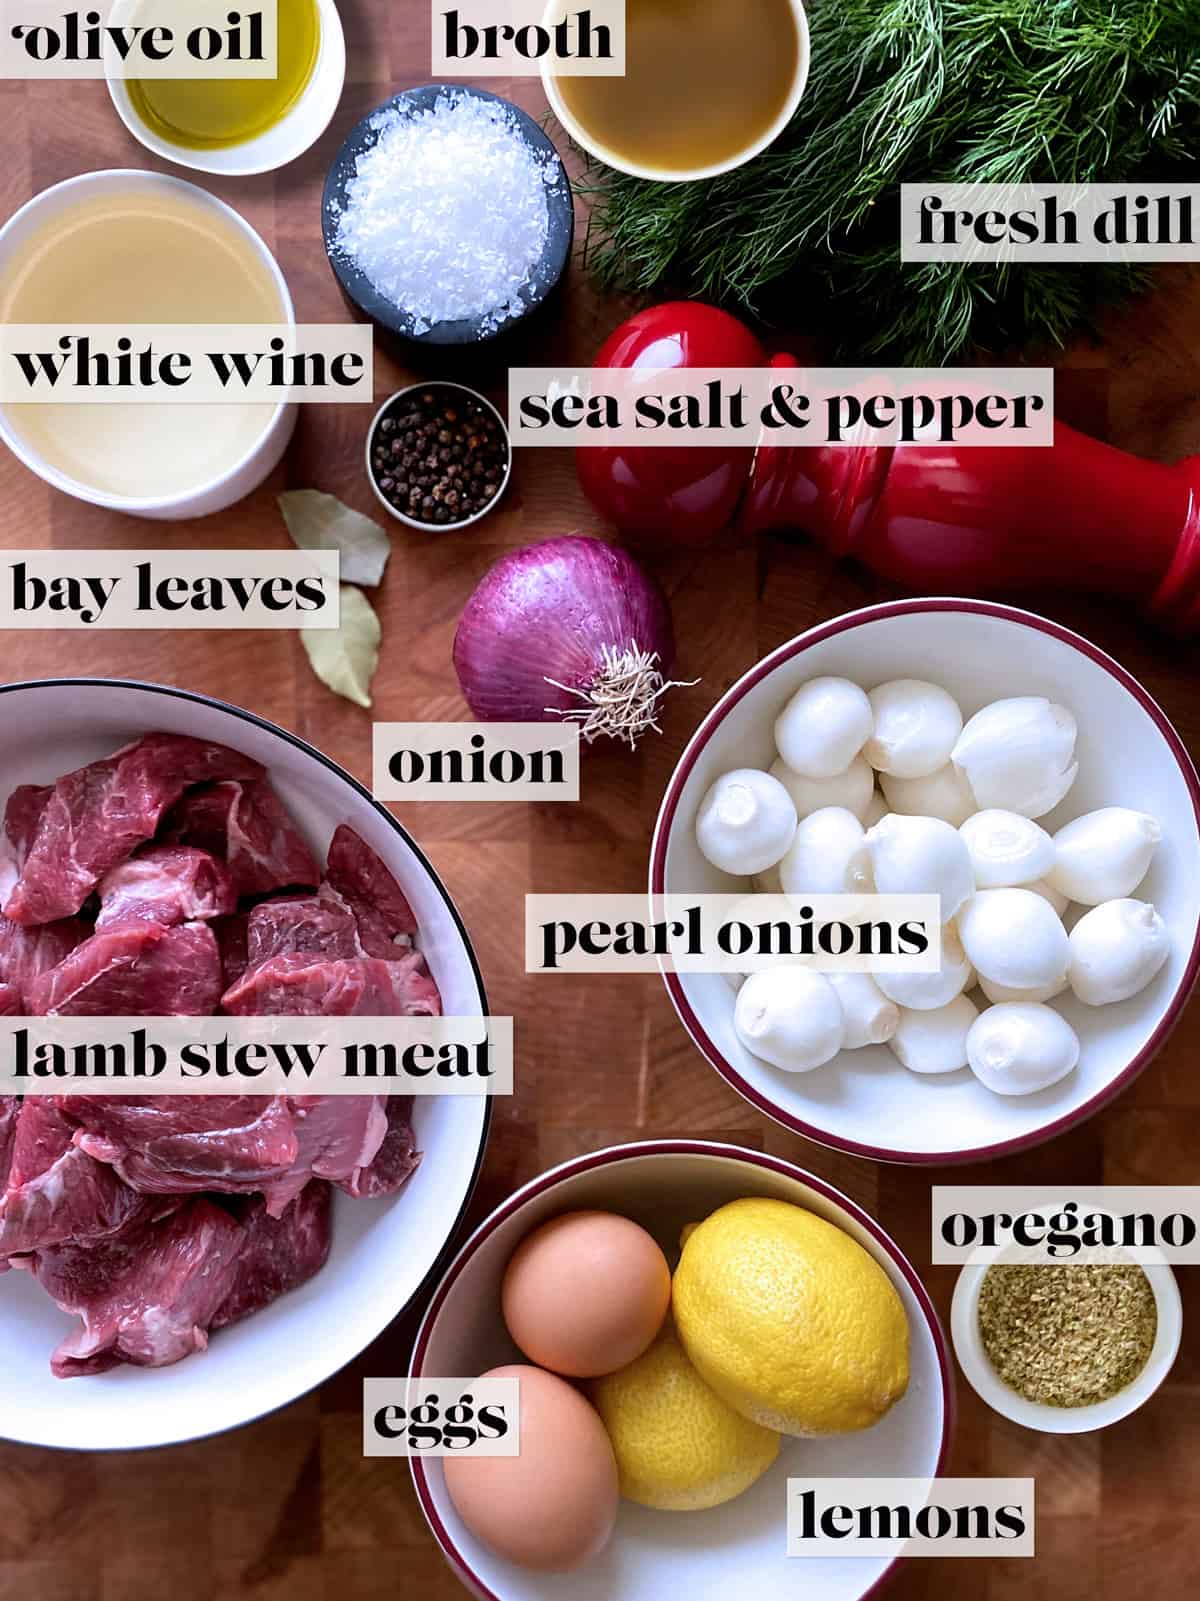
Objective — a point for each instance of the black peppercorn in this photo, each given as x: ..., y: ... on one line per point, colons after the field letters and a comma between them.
x: 439, y: 460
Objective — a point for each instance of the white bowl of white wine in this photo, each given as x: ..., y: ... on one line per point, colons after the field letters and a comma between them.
x: 133, y: 248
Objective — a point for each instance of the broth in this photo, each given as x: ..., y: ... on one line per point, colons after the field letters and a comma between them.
x: 704, y: 80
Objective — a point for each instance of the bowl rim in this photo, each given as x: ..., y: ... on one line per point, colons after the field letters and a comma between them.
x: 323, y: 91
x: 666, y: 819
x: 647, y: 1150
x: 402, y: 516
x: 450, y: 1243
x: 462, y: 332
x: 991, y: 1389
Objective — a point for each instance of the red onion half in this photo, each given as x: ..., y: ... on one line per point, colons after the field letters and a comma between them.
x: 571, y: 628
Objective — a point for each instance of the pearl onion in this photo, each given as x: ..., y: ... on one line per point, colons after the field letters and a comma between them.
x: 824, y: 858
x: 944, y: 794
x: 791, y: 1017
x: 823, y: 727
x: 852, y: 789
x: 924, y: 992
x: 746, y: 822
x: 1048, y: 893
x: 1104, y: 855
x: 1007, y: 849
x: 1018, y: 754
x: 876, y: 811
x: 1116, y: 949
x: 999, y: 993
x: 921, y: 856
x: 916, y: 725
x: 935, y: 1042
x: 1014, y: 937
x: 1017, y: 1049
x: 869, y: 1017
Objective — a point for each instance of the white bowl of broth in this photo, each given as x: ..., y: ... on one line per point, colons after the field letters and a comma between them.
x: 234, y: 126
x: 128, y: 247
x: 708, y: 85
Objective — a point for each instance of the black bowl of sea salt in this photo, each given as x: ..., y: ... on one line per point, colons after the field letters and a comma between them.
x: 447, y: 215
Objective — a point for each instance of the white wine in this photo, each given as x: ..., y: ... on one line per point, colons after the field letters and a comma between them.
x: 150, y: 255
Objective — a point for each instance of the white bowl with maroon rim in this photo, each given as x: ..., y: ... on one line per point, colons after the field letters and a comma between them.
x: 864, y: 1101
x: 383, y: 1250
x: 735, y: 1549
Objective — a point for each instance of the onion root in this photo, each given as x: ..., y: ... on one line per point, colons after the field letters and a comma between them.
x: 621, y: 702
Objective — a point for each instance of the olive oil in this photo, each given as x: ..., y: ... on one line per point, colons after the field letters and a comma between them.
x: 704, y: 80
x: 216, y: 113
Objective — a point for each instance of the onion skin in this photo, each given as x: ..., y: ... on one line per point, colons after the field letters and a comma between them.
x: 549, y: 611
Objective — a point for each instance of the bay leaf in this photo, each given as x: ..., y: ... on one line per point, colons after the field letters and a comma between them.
x: 317, y: 521
x: 345, y: 658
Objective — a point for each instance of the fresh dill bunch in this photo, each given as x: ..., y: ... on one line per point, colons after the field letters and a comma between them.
x: 921, y: 91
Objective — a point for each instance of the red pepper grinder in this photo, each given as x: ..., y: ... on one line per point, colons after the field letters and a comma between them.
x: 948, y: 518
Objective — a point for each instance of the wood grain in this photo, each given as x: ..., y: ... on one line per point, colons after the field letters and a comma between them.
x: 288, y: 1508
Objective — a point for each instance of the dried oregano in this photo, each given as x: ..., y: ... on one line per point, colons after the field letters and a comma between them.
x: 1067, y: 1335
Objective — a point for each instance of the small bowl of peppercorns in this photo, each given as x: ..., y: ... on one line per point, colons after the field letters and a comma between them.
x: 438, y: 455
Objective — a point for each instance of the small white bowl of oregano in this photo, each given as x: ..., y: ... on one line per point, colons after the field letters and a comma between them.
x: 1065, y: 1347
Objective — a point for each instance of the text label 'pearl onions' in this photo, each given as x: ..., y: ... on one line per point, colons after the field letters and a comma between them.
x: 935, y: 1042
x: 1018, y: 1049
x: 923, y: 992
x: 1014, y: 937
x: 1007, y: 849
x: 1116, y: 949
x: 852, y: 789
x: 824, y: 855
x: 944, y: 794
x: 823, y: 727
x: 791, y: 1017
x: 1104, y: 855
x: 916, y: 725
x: 870, y: 1018
x: 1019, y: 754
x: 746, y: 822
x: 921, y: 856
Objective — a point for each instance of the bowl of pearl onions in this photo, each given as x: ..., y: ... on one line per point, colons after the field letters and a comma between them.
x: 992, y: 758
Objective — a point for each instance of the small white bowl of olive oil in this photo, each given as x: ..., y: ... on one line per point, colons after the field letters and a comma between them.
x: 239, y: 126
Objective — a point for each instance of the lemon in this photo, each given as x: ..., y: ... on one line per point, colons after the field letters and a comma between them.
x: 678, y: 1446
x: 790, y: 1320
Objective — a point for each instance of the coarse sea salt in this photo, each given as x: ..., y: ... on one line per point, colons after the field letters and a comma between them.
x: 447, y: 214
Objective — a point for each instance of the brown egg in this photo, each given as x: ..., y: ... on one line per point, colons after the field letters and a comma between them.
x: 586, y: 1293
x: 553, y: 1507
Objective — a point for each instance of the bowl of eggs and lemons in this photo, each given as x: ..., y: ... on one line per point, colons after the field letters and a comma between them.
x: 667, y: 1309
x: 975, y: 752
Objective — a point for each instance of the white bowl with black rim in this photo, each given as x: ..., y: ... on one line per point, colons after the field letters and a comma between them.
x: 864, y: 1101
x: 383, y: 1250
x: 738, y: 1549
